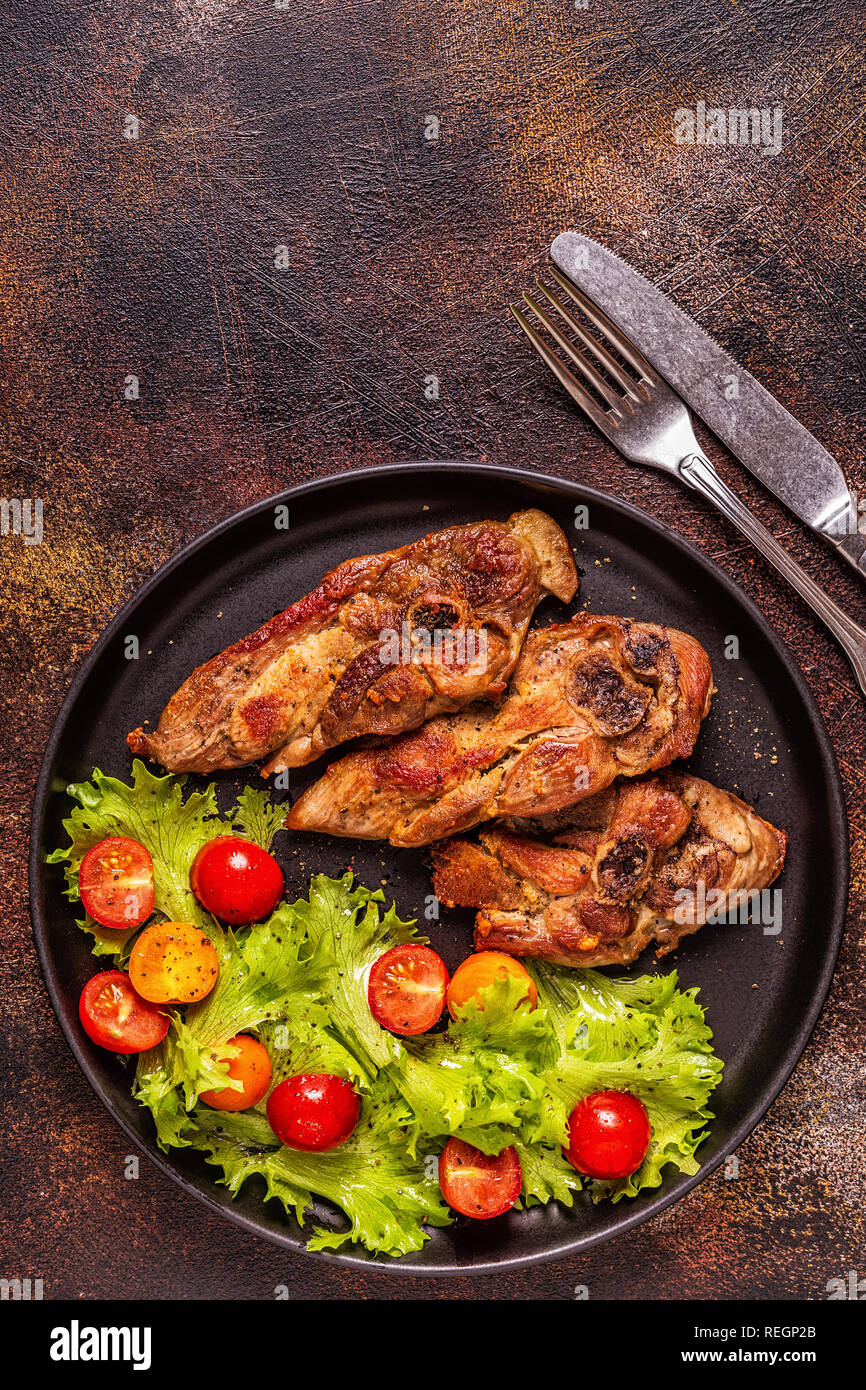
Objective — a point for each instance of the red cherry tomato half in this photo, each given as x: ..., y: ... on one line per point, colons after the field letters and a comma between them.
x: 313, y: 1112
x: 236, y: 880
x: 406, y: 989
x: 115, y: 881
x: 608, y: 1135
x: 114, y: 1016
x: 477, y: 1184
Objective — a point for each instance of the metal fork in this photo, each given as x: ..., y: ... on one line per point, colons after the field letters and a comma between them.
x: 649, y: 424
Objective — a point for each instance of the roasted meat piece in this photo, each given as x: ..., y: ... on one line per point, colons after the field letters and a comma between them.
x: 589, y: 700
x: 385, y: 642
x: 643, y: 860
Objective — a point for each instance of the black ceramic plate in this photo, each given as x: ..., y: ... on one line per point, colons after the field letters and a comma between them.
x: 763, y: 739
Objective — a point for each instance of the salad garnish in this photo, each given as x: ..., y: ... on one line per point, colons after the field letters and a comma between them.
x: 492, y: 1103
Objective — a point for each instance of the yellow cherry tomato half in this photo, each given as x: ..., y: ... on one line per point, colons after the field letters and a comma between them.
x: 173, y: 963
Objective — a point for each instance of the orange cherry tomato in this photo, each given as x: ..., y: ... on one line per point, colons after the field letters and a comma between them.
x: 173, y: 963
x: 480, y: 971
x: 478, y: 1184
x: 116, y: 1017
x: 252, y: 1067
x: 115, y: 881
x: 406, y: 989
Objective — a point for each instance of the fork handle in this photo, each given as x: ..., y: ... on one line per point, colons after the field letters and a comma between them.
x: 699, y: 473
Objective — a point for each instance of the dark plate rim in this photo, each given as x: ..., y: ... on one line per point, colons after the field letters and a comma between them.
x: 769, y: 1090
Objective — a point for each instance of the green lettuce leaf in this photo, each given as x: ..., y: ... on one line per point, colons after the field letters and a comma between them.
x: 484, y: 1078
x: 346, y: 921
x: 304, y: 1045
x: 388, y: 1196
x: 547, y: 1175
x: 257, y: 818
x: 640, y: 1035
x: 153, y: 811
x: 173, y: 828
x: 270, y: 975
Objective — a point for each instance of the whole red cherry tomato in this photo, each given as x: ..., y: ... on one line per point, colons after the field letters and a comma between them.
x: 608, y: 1135
x: 236, y: 880
x: 313, y: 1112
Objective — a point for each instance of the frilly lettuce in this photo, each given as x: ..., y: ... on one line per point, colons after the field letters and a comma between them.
x: 500, y: 1074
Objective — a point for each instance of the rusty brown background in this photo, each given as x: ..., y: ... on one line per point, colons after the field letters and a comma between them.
x: 304, y: 128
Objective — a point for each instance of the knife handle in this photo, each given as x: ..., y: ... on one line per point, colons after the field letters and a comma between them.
x: 699, y: 473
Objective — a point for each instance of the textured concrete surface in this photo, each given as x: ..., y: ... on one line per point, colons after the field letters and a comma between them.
x: 298, y: 136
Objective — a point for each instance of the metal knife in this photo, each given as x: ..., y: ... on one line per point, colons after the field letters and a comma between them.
x: 751, y: 423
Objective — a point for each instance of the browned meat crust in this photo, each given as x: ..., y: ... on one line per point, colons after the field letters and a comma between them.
x: 589, y: 700
x: 385, y: 642
x: 646, y: 860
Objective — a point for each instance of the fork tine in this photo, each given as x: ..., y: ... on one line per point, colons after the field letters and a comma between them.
x: 607, y: 327
x: 592, y: 376
x: 603, y: 419
x: 622, y: 378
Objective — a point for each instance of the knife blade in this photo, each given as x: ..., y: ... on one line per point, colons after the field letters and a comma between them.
x: 751, y: 423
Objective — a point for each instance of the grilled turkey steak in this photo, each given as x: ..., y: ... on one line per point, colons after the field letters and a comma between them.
x: 589, y: 700
x: 350, y: 658
x: 643, y: 861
